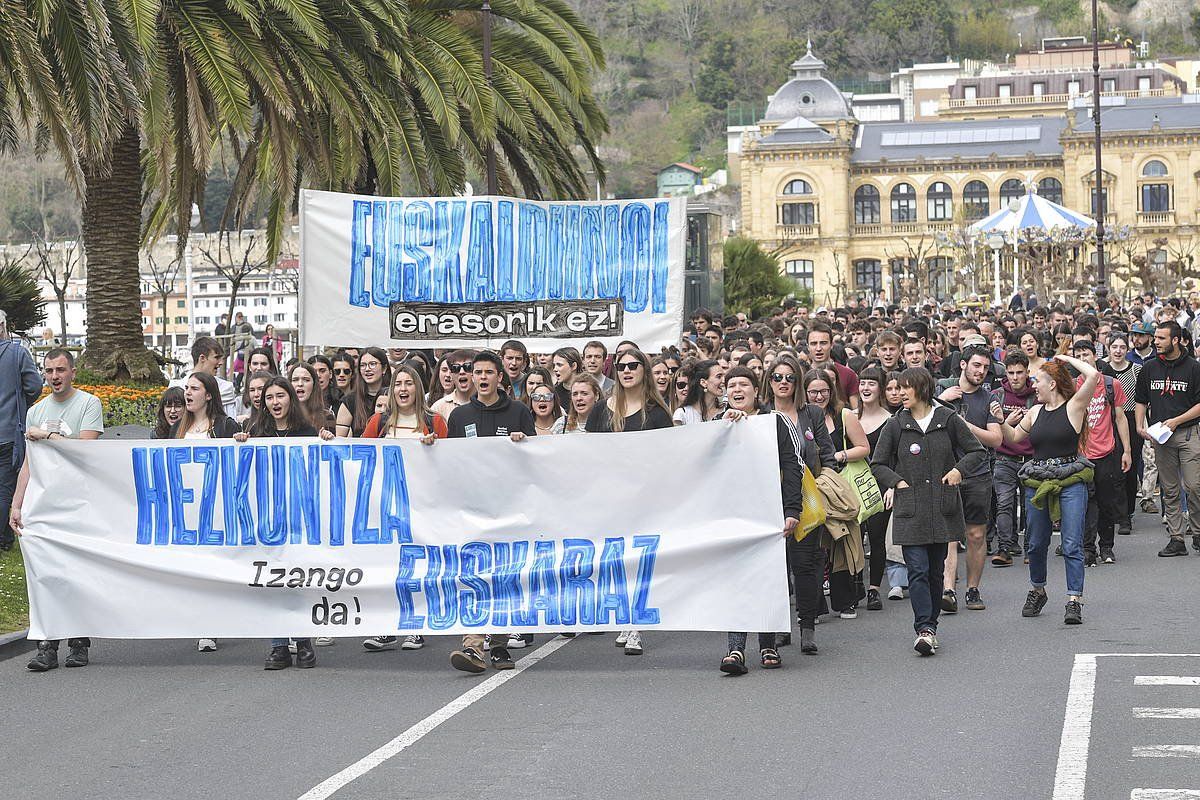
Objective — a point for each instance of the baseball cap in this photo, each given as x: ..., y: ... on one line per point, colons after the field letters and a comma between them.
x: 822, y: 310
x: 1143, y: 327
x: 974, y: 340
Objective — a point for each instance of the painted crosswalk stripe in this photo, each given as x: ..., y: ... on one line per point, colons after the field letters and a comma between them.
x: 1167, y: 751
x: 1165, y: 794
x: 1167, y: 680
x: 1166, y: 713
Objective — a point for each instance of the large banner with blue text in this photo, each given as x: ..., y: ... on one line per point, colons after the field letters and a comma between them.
x: 301, y: 537
x: 476, y: 271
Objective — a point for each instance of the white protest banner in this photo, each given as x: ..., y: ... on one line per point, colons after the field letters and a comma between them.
x: 676, y: 529
x: 477, y: 271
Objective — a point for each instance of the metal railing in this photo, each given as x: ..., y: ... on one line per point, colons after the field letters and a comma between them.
x: 1058, y: 98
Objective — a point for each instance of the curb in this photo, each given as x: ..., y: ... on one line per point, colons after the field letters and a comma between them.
x: 15, y: 644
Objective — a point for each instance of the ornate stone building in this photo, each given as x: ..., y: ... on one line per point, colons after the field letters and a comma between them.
x: 855, y: 208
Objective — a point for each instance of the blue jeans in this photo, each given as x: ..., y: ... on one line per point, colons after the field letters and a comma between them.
x: 1074, y: 500
x: 926, y: 563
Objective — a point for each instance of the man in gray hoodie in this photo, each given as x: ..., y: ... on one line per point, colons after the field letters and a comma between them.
x: 20, y: 385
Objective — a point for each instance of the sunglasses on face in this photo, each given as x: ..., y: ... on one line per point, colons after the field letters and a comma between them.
x: 464, y: 367
x: 337, y: 371
x: 779, y: 377
x: 541, y: 398
x: 681, y: 384
x: 628, y: 366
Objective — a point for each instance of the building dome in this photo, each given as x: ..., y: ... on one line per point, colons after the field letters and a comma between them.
x: 808, y: 94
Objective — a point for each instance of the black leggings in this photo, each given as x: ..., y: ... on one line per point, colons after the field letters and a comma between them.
x: 877, y: 534
x: 806, y: 560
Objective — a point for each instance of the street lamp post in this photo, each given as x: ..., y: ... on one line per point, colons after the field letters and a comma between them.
x: 187, y: 274
x: 490, y: 150
x: 1101, y: 267
x: 996, y: 242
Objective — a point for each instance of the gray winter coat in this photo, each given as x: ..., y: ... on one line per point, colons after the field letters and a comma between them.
x: 928, y: 511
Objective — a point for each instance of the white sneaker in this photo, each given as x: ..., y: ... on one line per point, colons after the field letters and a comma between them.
x: 516, y: 641
x: 849, y: 613
x: 207, y: 645
x: 621, y: 638
x: 323, y: 641
x: 926, y: 643
x: 896, y: 593
x: 292, y: 646
x: 413, y: 642
x: 633, y: 643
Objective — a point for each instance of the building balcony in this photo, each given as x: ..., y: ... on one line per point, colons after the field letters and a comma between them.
x: 959, y: 105
x: 900, y: 228
x: 1155, y: 219
x: 786, y: 232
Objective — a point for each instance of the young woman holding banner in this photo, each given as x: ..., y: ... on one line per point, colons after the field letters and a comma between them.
x: 203, y: 418
x: 741, y: 386
x: 283, y: 416
x: 635, y: 405
x: 306, y: 384
x: 405, y: 417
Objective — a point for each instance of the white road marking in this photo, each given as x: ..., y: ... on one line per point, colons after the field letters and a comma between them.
x: 1070, y: 777
x: 414, y: 734
x: 1166, y: 713
x: 1166, y: 680
x: 1165, y: 794
x: 1166, y: 751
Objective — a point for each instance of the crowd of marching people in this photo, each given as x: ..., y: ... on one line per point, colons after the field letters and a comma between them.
x: 910, y: 439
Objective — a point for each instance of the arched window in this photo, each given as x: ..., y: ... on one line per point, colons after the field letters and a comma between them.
x: 1154, y: 169
x: 904, y: 203
x: 1011, y: 189
x: 1051, y: 189
x: 977, y: 201
x: 798, y: 186
x: 868, y: 275
x: 939, y: 202
x: 866, y: 205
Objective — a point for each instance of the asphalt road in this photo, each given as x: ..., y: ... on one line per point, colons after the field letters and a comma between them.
x: 864, y: 718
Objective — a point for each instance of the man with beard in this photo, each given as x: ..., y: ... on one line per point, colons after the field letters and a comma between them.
x: 968, y: 397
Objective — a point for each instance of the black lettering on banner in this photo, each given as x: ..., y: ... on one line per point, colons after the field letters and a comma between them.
x: 551, y: 319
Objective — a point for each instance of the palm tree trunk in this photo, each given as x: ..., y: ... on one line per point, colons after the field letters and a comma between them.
x: 112, y: 226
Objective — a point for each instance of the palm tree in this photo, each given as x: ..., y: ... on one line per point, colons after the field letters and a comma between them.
x: 319, y: 92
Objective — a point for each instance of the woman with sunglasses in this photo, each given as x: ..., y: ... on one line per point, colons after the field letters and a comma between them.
x: 462, y: 382
x: 343, y: 374
x: 585, y: 395
x: 680, y: 384
x: 742, y: 386
x: 543, y: 404
x: 806, y: 559
x: 635, y: 405
x: 374, y: 376
x: 705, y: 390
x: 873, y: 414
x: 170, y: 411
x: 566, y: 363
x: 538, y: 376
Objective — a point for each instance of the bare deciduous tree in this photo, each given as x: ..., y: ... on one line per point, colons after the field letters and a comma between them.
x: 164, y: 277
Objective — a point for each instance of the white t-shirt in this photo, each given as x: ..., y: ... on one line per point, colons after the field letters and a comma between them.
x: 687, y: 415
x: 925, y: 420
x: 81, y: 412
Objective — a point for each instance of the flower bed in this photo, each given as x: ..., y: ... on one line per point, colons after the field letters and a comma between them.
x: 123, y: 405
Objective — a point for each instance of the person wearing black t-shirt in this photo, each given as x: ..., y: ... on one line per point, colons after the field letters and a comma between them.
x: 635, y: 405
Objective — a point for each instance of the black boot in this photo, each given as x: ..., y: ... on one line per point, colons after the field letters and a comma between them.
x: 46, y: 658
x: 306, y: 657
x: 808, y: 644
x: 278, y: 658
x: 78, y: 657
